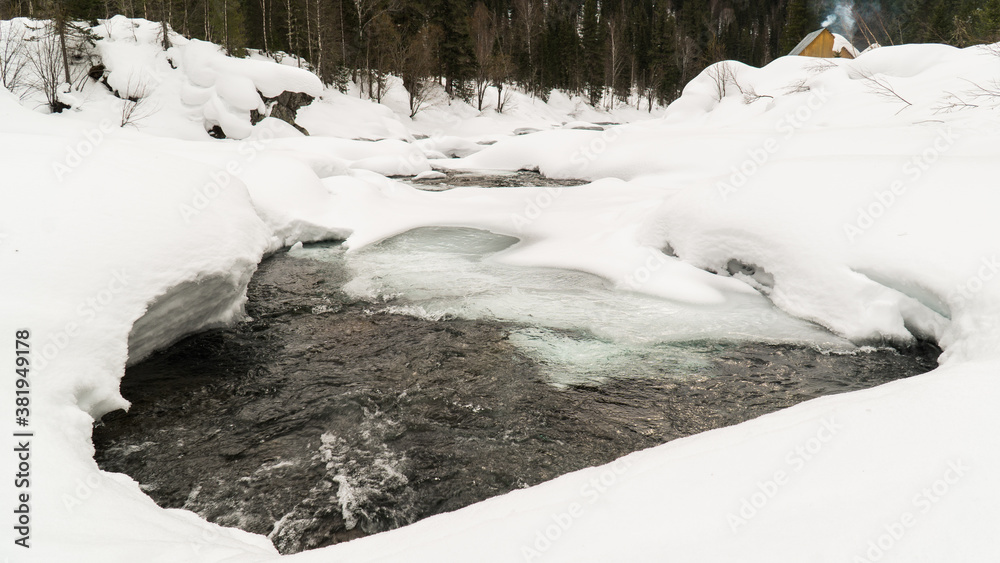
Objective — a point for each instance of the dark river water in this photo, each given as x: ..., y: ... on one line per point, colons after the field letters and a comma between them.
x: 459, y: 179
x: 324, y: 419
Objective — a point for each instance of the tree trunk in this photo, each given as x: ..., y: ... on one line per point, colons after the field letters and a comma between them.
x: 343, y: 35
x: 309, y: 34
x: 165, y: 29
x: 288, y: 19
x: 263, y: 22
x: 319, y: 41
x: 61, y: 30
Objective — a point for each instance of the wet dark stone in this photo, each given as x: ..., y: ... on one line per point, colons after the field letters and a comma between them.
x: 520, y: 179
x: 322, y: 420
x: 284, y: 106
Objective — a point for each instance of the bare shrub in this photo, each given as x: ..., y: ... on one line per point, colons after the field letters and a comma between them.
x: 821, y: 66
x: 46, y: 62
x: 419, y: 64
x: 977, y: 96
x: 880, y: 86
x: 750, y: 95
x: 797, y: 87
x: 723, y: 76
x: 13, y: 58
x: 136, y: 104
x: 953, y: 102
x: 501, y: 68
x: 504, y: 97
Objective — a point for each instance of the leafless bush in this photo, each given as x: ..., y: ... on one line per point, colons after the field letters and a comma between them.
x: 501, y: 68
x: 724, y: 77
x: 136, y: 104
x: 797, y: 87
x: 82, y: 57
x: 992, y: 49
x: 504, y: 97
x: 47, y: 63
x: 58, y: 52
x: 880, y: 86
x: 980, y: 92
x: 750, y: 95
x: 419, y: 62
x: 483, y: 39
x: 821, y: 66
x: 13, y: 60
x: 417, y: 90
x: 953, y: 102
x: 977, y: 96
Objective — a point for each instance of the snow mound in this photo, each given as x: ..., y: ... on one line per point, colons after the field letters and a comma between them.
x: 840, y: 42
x: 228, y: 89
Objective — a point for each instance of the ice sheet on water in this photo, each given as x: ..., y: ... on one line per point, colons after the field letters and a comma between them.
x: 568, y: 358
x: 580, y: 325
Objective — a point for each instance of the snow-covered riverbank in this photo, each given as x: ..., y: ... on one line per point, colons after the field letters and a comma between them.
x: 845, y: 206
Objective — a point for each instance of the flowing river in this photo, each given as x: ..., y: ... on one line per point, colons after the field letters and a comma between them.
x: 375, y: 388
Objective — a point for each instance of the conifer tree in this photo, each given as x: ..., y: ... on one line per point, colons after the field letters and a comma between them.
x: 593, y: 52
x: 455, y: 46
x: 800, y: 22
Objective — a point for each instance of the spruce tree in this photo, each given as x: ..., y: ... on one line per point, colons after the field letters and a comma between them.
x: 664, y: 70
x: 593, y: 52
x: 985, y: 22
x: 455, y: 50
x: 800, y: 22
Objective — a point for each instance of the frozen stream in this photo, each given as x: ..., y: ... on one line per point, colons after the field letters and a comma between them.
x: 421, y: 375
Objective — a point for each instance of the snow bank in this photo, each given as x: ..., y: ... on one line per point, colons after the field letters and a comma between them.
x: 840, y: 42
x: 89, y: 254
x: 193, y: 78
x: 350, y: 117
x: 228, y: 89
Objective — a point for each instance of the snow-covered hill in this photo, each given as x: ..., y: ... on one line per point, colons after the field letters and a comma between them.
x: 862, y: 193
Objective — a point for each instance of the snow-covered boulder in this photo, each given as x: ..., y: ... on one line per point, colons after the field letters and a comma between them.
x: 228, y: 90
